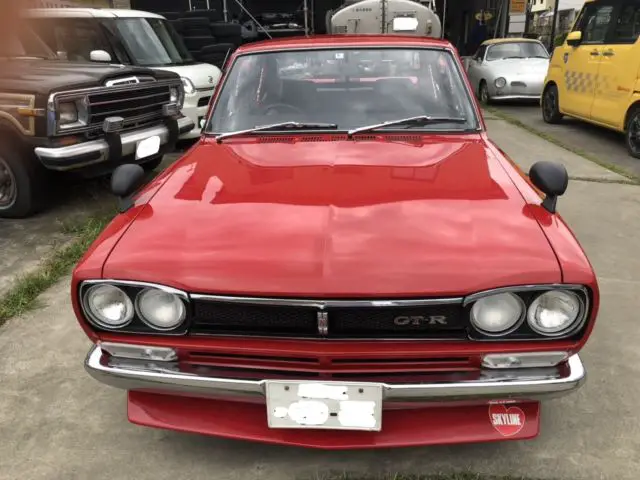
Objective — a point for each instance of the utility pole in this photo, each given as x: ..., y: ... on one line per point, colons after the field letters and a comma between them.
x: 552, y: 42
x: 527, y: 16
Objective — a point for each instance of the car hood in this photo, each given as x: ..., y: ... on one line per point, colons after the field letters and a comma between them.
x: 46, y: 76
x: 343, y: 218
x: 520, y: 66
x: 202, y: 75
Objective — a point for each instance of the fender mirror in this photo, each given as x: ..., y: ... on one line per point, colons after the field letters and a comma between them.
x: 574, y: 38
x: 552, y: 179
x: 100, y: 56
x: 124, y: 182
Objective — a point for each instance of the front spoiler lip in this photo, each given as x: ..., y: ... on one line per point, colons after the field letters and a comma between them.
x: 530, y: 384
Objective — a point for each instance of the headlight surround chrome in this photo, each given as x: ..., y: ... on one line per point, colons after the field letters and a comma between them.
x: 498, y: 314
x: 189, y: 88
x: 72, y: 114
x: 160, y: 309
x: 500, y: 82
x: 555, y: 313
x: 108, y: 306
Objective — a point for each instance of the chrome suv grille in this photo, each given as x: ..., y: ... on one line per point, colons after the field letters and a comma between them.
x: 339, y: 319
x: 139, y: 105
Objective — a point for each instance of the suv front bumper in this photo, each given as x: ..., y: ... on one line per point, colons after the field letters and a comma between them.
x: 112, y: 147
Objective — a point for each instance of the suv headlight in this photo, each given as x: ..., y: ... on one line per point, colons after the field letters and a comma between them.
x: 554, y: 313
x: 497, y: 314
x: 68, y: 113
x: 159, y: 309
x: 189, y: 87
x: 108, y: 306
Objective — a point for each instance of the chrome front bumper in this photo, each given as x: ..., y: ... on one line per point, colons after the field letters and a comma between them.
x: 104, y: 149
x: 166, y: 377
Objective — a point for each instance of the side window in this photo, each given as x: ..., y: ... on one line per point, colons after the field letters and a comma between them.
x: 596, y: 23
x: 78, y: 38
x: 627, y: 26
x: 480, y: 53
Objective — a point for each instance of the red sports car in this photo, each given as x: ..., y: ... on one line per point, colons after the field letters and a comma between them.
x: 343, y: 260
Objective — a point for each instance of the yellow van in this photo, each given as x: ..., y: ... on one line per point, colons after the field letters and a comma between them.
x: 595, y: 75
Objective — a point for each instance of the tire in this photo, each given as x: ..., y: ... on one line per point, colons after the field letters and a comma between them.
x: 235, y: 41
x: 551, y: 105
x: 221, y: 29
x: 218, y: 48
x: 212, y: 15
x: 197, y: 43
x: 23, y: 184
x: 195, y: 22
x: 170, y: 15
x: 483, y: 93
x: 632, y: 132
x: 197, y: 32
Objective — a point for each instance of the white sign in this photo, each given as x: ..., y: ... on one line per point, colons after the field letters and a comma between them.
x: 405, y: 24
x: 147, y: 147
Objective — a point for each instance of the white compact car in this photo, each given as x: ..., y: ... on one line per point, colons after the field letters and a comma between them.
x: 128, y: 37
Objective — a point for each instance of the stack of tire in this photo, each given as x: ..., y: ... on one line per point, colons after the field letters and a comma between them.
x: 206, y: 36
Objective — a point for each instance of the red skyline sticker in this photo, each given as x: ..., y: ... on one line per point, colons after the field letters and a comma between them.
x: 507, y: 421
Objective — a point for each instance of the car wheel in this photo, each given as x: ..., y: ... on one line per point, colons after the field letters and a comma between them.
x: 483, y: 93
x: 22, y: 183
x: 632, y: 132
x: 551, y: 105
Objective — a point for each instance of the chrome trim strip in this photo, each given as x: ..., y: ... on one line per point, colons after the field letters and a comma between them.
x: 128, y: 283
x: 101, y: 147
x: 524, y: 288
x: 296, y: 302
x: 166, y: 377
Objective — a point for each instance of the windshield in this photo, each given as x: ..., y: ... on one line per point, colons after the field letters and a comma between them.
x: 350, y: 88
x: 151, y: 42
x: 25, y: 44
x: 516, y: 50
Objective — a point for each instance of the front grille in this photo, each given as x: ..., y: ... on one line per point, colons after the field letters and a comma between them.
x: 390, y: 369
x: 219, y: 317
x: 137, y: 105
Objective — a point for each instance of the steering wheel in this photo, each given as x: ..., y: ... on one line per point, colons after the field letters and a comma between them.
x: 278, y: 106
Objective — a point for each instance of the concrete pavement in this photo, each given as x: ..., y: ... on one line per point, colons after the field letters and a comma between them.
x: 604, y: 144
x: 58, y: 423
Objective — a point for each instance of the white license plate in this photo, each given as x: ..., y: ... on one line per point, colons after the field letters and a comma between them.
x: 324, y: 405
x: 147, y: 147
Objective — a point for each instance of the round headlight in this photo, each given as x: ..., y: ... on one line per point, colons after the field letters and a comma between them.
x: 500, y: 82
x: 497, y: 314
x: 189, y: 88
x: 159, y: 309
x: 554, y: 313
x: 68, y: 113
x: 108, y: 306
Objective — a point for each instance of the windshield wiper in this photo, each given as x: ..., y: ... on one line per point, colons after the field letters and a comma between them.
x: 276, y: 126
x: 419, y: 120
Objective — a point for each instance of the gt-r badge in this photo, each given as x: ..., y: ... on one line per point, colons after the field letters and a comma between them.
x: 507, y: 421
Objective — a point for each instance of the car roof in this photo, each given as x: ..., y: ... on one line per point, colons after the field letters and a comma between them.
x: 343, y: 40
x: 72, y: 12
x: 495, y: 41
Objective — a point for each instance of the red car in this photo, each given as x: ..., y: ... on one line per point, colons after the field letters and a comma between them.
x: 343, y: 260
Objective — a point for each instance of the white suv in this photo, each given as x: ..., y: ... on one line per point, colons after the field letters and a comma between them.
x: 128, y: 37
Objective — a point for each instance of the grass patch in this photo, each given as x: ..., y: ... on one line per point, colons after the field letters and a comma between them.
x: 633, y: 179
x: 23, y: 295
x: 398, y: 476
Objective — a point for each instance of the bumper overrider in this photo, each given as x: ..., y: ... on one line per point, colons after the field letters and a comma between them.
x: 451, y: 410
x: 113, y: 147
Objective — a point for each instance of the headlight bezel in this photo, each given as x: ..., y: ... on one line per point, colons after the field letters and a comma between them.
x: 137, y: 325
x: 565, y: 329
x: 513, y: 327
x: 502, y: 81
x: 82, y: 114
x: 188, y: 86
x: 94, y: 319
x: 528, y: 294
x: 145, y: 319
